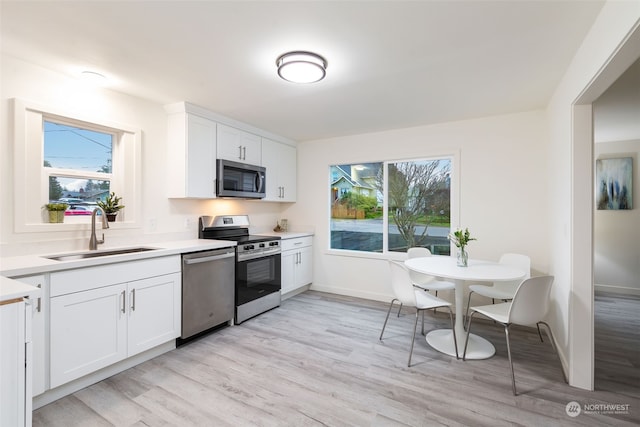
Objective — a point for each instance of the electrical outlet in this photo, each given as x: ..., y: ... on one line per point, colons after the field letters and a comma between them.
x: 188, y: 223
x: 153, y: 224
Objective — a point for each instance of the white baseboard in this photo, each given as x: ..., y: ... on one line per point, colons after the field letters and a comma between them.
x: 617, y: 289
x: 351, y: 293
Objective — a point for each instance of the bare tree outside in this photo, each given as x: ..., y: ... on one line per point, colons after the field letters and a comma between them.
x: 417, y: 193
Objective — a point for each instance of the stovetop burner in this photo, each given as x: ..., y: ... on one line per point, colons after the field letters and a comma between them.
x: 252, y: 238
x: 229, y: 227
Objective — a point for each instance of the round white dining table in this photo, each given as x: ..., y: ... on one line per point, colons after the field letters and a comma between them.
x: 476, y: 271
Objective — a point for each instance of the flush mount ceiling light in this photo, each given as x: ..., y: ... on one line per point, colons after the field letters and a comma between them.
x: 93, y: 77
x: 301, y: 67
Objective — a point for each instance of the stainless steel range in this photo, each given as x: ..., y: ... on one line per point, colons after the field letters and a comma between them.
x: 258, y: 273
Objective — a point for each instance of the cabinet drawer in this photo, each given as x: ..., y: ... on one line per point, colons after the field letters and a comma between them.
x: 82, y: 279
x: 298, y: 242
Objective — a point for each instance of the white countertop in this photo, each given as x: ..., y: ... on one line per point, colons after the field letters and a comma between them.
x: 12, y: 289
x: 38, y: 263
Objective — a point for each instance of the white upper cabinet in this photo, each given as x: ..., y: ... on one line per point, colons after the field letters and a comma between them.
x: 191, y: 156
x: 280, y: 161
x: 238, y: 146
x: 198, y: 137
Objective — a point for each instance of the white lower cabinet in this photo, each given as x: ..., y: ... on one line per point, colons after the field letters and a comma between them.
x: 297, y: 267
x: 95, y: 328
x: 88, y: 332
x: 39, y: 336
x: 154, y: 312
x: 14, y: 327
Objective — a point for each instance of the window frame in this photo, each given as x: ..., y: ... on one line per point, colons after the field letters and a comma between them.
x: 453, y: 155
x: 31, y: 177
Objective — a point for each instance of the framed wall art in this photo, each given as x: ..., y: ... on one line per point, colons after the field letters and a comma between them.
x: 614, y: 184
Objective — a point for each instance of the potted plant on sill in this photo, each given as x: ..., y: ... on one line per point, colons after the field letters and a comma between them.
x: 56, y: 211
x: 111, y: 205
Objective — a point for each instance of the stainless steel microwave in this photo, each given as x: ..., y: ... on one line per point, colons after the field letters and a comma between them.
x: 240, y: 180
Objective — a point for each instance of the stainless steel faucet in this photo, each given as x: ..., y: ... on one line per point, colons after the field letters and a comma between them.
x: 93, y: 241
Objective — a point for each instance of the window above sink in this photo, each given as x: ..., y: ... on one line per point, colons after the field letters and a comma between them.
x: 62, y: 154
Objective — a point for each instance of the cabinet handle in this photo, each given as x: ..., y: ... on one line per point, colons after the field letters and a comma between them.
x: 282, y: 192
x: 133, y: 300
x: 240, y: 152
x: 39, y: 304
x: 123, y: 302
x: 244, y: 153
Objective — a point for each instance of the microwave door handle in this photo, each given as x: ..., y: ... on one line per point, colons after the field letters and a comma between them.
x: 259, y: 182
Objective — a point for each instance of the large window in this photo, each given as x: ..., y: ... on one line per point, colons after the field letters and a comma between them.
x: 391, y: 206
x: 63, y: 156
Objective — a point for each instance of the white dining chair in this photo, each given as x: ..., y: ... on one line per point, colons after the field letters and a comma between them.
x: 529, y: 306
x: 426, y: 281
x: 411, y: 296
x: 503, y: 291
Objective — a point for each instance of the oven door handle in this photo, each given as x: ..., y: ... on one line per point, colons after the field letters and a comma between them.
x: 208, y: 258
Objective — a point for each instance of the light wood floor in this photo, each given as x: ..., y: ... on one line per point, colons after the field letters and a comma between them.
x: 317, y: 361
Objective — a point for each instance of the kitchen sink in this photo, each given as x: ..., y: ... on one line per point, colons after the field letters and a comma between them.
x: 96, y: 254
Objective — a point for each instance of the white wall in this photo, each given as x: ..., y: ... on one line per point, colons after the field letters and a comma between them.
x: 43, y: 86
x: 571, y: 181
x: 503, y: 186
x: 617, y: 233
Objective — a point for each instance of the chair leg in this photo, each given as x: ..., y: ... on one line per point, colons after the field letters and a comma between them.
x: 387, y: 318
x: 453, y: 328
x: 399, y: 309
x: 539, y: 333
x: 564, y: 376
x: 413, y: 336
x: 435, y: 310
x: 466, y: 315
x: 422, y: 332
x: 513, y: 377
x: 466, y: 342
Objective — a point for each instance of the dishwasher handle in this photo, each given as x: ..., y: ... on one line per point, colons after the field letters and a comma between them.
x: 190, y: 261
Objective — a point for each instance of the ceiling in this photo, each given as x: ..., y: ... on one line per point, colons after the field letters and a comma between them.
x: 392, y: 64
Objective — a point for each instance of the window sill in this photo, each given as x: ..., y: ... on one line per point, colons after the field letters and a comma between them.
x: 397, y: 256
x: 53, y: 227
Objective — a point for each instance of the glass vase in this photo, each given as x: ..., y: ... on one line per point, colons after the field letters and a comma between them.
x: 462, y: 258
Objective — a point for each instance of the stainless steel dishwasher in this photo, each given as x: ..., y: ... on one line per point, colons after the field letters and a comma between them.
x: 208, y: 290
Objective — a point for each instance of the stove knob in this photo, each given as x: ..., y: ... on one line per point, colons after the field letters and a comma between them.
x: 248, y: 247
x: 261, y: 245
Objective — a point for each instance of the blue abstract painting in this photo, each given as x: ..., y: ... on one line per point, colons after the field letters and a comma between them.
x: 614, y: 184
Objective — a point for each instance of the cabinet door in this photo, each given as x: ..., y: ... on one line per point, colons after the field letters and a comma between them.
x: 304, y: 267
x: 12, y: 364
x: 280, y: 161
x: 191, y: 155
x: 238, y: 145
x: 88, y: 332
x: 288, y: 266
x: 38, y: 336
x: 201, y: 157
x: 271, y: 161
x: 287, y: 173
x: 154, y: 312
